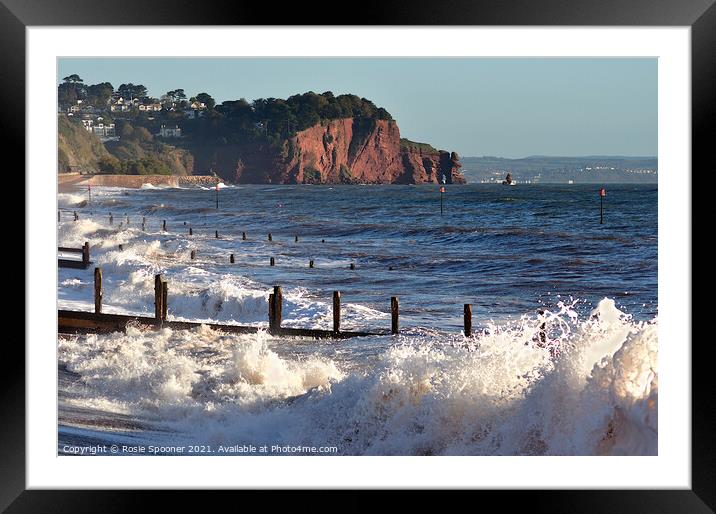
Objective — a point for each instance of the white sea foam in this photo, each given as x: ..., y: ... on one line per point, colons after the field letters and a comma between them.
x: 591, y: 388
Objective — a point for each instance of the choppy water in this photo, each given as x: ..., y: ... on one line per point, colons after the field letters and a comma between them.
x: 507, y: 250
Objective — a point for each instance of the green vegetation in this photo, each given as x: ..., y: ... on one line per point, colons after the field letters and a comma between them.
x: 265, y: 122
x: 421, y: 147
x: 311, y: 175
x: 345, y: 175
x: 78, y: 150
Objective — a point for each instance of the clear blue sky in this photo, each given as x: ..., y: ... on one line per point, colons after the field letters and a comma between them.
x: 475, y: 106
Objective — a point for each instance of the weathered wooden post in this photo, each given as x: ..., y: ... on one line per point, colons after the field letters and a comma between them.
x: 278, y: 308
x: 216, y: 234
x: 121, y: 248
x: 271, y: 313
x: 75, y: 214
x: 269, y: 237
x: 243, y: 236
x: 193, y: 254
x: 468, y: 319
x: 127, y: 216
x: 98, y: 290
x: 158, y: 296
x: 165, y: 305
x: 191, y: 232
x: 352, y: 266
x: 394, y: 312
x: 275, y: 310
x: 164, y: 225
x: 231, y: 258
x: 310, y: 263
x: 85, y: 254
x: 111, y: 218
x: 336, y: 311
x: 296, y: 240
x: 542, y: 328
x: 58, y: 216
x: 144, y: 223
x: 272, y: 261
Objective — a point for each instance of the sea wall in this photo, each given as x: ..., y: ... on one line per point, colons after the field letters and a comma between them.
x: 136, y: 181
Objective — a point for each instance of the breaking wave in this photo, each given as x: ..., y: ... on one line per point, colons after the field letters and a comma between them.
x: 588, y: 387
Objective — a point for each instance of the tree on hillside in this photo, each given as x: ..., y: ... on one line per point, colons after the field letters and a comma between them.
x: 132, y: 91
x: 98, y: 95
x: 206, y: 99
x: 73, y: 79
x: 71, y: 90
x: 174, y: 98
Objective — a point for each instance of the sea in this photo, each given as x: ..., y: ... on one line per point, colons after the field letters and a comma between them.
x: 562, y: 359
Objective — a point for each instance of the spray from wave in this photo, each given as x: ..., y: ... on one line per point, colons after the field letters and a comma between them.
x: 588, y: 387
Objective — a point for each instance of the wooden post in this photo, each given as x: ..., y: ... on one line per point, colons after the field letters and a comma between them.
x: 243, y: 236
x: 216, y: 234
x: 98, y: 290
x: 231, y: 258
x: 468, y: 319
x: 310, y: 263
x: 542, y: 327
x: 85, y: 253
x: 127, y: 216
x: 269, y: 237
x: 121, y: 248
x: 272, y: 262
x: 58, y: 216
x: 323, y: 240
x: 191, y: 232
x: 193, y: 254
x: 275, y: 308
x: 144, y: 223
x: 158, y: 296
x: 394, y: 311
x: 352, y: 266
x: 111, y: 218
x: 336, y: 311
x: 75, y: 214
x: 271, y: 306
x: 278, y: 308
x: 164, y: 225
x: 164, y: 300
x: 297, y: 239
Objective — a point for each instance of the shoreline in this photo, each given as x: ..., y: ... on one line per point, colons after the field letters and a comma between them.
x: 68, y: 182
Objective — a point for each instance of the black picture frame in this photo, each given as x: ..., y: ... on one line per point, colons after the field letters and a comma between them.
x: 700, y: 15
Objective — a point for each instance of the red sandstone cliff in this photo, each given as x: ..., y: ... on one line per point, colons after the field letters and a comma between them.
x: 349, y: 150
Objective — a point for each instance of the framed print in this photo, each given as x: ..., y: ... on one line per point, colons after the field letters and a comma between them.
x: 418, y: 248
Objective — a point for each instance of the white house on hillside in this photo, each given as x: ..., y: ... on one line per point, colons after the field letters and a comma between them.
x: 165, y: 131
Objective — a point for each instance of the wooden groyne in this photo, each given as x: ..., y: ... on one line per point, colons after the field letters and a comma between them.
x: 83, y: 322
x: 74, y: 263
x: 98, y: 322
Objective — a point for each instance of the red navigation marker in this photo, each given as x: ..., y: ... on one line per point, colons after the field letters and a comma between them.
x: 602, y: 192
x: 442, y: 189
